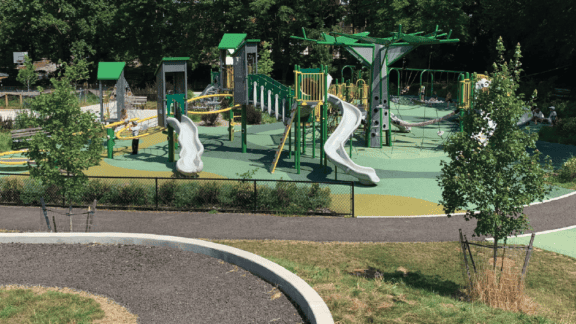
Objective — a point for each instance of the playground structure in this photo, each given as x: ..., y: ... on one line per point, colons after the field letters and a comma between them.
x: 304, y: 105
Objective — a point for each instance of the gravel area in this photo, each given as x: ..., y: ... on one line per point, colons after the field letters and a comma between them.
x: 159, y: 284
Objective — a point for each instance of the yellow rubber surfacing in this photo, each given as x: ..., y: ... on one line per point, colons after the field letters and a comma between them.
x: 388, y: 205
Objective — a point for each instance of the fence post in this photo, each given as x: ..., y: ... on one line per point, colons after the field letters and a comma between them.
x: 45, y: 213
x: 528, y: 253
x: 353, y: 200
x: 255, y: 197
x: 462, y: 245
x: 156, y: 193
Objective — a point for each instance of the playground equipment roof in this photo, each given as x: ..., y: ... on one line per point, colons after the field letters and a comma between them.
x: 164, y: 59
x: 397, y: 39
x: 110, y: 70
x: 231, y: 41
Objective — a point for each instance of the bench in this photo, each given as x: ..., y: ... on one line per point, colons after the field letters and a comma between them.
x: 135, y: 101
x: 22, y: 135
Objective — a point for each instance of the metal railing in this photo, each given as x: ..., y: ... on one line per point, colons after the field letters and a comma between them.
x: 335, y: 198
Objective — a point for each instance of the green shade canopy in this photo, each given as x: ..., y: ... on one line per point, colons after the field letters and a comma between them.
x: 110, y: 70
x: 231, y: 41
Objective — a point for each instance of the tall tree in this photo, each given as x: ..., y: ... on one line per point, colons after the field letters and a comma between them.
x: 498, y: 176
x: 27, y: 76
x: 75, y: 141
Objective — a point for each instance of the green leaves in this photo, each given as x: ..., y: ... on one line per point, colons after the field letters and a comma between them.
x: 501, y: 177
x: 75, y: 141
x: 28, y: 75
x: 265, y: 63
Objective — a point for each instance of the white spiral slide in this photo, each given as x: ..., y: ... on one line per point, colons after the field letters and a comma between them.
x: 334, y: 147
x: 192, y: 149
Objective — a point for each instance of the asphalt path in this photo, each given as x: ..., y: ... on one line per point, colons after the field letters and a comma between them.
x: 546, y: 216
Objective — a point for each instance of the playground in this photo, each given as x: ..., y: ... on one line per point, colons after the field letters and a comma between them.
x: 395, y: 169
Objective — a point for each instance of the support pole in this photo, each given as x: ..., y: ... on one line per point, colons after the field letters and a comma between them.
x: 231, y: 127
x: 304, y: 138
x: 314, y: 137
x: 101, y: 102
x: 110, y: 142
x: 290, y: 143
x: 244, y: 129
x: 170, y: 144
x: 297, y: 148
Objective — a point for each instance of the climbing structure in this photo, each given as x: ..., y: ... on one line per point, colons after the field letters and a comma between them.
x: 378, y: 54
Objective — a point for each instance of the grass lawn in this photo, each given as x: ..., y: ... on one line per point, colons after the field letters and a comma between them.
x: 379, y: 283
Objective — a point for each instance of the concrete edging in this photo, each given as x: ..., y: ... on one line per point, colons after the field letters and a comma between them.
x: 293, y: 286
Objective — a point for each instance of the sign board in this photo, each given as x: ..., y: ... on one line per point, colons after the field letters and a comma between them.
x: 19, y: 57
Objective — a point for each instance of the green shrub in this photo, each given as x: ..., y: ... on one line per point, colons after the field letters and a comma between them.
x: 186, y: 195
x: 10, y: 190
x: 32, y: 191
x: 209, y: 119
x: 130, y: 194
x: 266, y: 198
x: 253, y: 117
x: 318, y: 197
x: 5, y: 141
x: 566, y: 127
x: 207, y: 195
x: 167, y: 193
x: 25, y: 119
x: 6, y: 123
x: 227, y: 195
x: 95, y: 189
x: 245, y: 195
x: 568, y: 171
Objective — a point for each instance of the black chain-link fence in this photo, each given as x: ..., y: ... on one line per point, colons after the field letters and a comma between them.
x: 201, y: 194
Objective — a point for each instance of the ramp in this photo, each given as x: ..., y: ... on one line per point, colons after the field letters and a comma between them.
x: 284, y: 136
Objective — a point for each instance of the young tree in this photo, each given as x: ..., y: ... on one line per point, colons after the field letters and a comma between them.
x: 498, y: 176
x: 27, y: 76
x: 265, y: 63
x: 75, y: 141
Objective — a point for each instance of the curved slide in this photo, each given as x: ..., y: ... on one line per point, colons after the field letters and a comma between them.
x: 192, y: 149
x: 334, y: 147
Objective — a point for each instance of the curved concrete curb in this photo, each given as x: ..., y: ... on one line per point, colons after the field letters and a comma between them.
x: 476, y: 212
x: 293, y: 286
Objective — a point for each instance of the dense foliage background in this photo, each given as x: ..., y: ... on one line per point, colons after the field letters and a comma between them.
x: 143, y: 30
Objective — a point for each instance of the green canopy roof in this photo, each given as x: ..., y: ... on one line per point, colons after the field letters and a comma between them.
x: 231, y: 41
x: 110, y: 70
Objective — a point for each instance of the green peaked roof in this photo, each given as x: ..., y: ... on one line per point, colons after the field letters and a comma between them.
x: 231, y: 41
x: 110, y: 70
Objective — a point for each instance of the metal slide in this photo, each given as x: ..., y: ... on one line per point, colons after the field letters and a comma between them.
x: 192, y: 149
x: 334, y: 147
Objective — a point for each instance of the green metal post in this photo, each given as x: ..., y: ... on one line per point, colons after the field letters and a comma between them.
x: 290, y: 142
x: 325, y: 113
x: 460, y: 100
x: 170, y: 144
x: 110, y: 133
x: 348, y: 91
x: 244, y: 129
x: 297, y: 148
x: 304, y: 138
x: 314, y: 137
x: 230, y: 127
